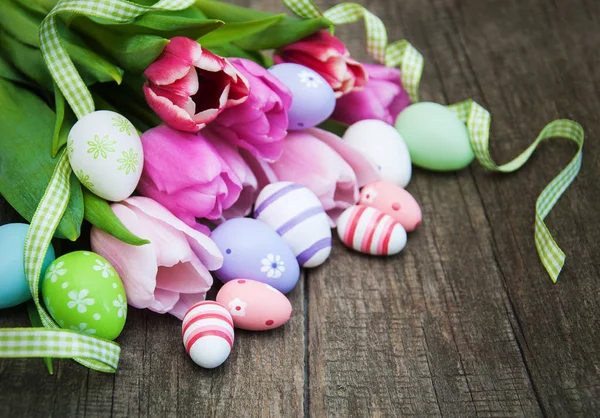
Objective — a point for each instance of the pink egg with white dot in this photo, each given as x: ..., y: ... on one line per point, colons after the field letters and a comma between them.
x: 394, y: 201
x: 254, y: 306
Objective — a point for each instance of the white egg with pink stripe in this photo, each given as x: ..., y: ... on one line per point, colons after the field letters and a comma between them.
x: 298, y: 216
x: 207, y: 331
x: 370, y: 231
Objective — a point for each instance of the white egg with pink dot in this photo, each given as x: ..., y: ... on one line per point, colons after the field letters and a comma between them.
x: 207, y: 332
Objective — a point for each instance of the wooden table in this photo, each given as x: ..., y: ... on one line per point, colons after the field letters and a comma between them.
x: 465, y: 322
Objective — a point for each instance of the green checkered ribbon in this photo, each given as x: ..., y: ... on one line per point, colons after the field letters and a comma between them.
x: 51, y: 341
x: 57, y: 60
x: 398, y: 54
x: 477, y: 119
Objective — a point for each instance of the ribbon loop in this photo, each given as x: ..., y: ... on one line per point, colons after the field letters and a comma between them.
x: 51, y: 341
x: 478, y: 120
x: 398, y: 54
x: 58, y: 61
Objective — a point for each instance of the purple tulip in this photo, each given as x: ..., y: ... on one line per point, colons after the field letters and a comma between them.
x: 260, y: 123
x: 185, y: 173
x: 383, y: 98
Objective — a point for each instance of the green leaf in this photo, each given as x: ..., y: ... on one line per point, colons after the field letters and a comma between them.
x: 232, y: 50
x: 8, y: 72
x: 136, y: 52
x: 59, y: 104
x: 132, y: 52
x: 98, y: 67
x: 99, y: 213
x: 26, y: 165
x: 334, y: 126
x: 235, y: 31
x: 36, y: 322
x: 228, y: 12
x: 160, y: 24
x: 26, y: 59
x: 65, y: 119
x: 284, y: 32
x: 20, y: 23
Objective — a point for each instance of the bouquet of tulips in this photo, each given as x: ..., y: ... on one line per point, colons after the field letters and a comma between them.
x: 218, y: 124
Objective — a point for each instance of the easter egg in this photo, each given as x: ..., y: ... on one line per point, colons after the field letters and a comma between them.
x: 436, y: 138
x: 370, y: 231
x: 84, y: 293
x: 253, y: 250
x: 14, y: 289
x: 105, y: 152
x: 394, y: 201
x: 255, y: 306
x: 296, y: 214
x: 207, y: 331
x: 384, y: 147
x: 313, y: 99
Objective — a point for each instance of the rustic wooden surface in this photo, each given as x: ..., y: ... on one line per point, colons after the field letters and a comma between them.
x: 465, y: 322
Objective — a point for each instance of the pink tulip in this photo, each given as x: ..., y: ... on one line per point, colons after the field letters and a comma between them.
x: 231, y: 155
x: 328, y: 56
x: 172, y: 272
x: 185, y: 173
x: 260, y: 123
x: 382, y: 98
x: 325, y: 164
x: 189, y: 86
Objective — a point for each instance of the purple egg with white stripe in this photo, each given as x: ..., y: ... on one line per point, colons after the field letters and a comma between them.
x: 296, y: 214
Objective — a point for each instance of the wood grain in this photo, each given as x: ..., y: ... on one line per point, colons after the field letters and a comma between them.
x: 465, y: 322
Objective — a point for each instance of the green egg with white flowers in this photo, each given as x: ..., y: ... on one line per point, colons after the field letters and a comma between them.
x: 83, y: 292
x: 436, y: 139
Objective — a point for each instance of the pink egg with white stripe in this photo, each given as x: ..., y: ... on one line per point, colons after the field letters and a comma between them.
x: 370, y: 231
x: 207, y: 332
x: 298, y: 216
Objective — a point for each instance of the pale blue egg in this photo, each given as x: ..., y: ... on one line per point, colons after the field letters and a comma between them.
x: 14, y: 289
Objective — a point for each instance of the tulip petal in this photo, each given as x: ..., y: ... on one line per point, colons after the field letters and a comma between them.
x: 211, y: 62
x: 366, y: 172
x: 186, y: 301
x: 381, y: 98
x: 174, y: 62
x: 186, y: 85
x: 204, y: 247
x: 136, y: 265
x: 260, y: 123
x: 183, y: 278
x: 232, y: 157
x: 175, y: 116
x: 164, y: 301
x: 262, y: 170
x: 310, y: 162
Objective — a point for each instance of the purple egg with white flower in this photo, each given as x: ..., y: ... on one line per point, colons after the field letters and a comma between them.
x: 253, y: 250
x: 313, y: 98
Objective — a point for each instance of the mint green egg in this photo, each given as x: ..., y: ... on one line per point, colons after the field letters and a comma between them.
x: 435, y: 137
x: 84, y: 293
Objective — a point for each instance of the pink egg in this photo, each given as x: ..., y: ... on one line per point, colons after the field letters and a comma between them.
x: 207, y: 332
x: 394, y: 201
x: 253, y: 305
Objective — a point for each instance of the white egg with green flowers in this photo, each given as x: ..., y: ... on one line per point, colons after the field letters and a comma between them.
x: 105, y: 152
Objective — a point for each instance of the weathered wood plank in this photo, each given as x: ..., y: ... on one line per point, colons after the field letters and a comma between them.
x: 481, y: 327
x: 551, y: 75
x: 465, y: 322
